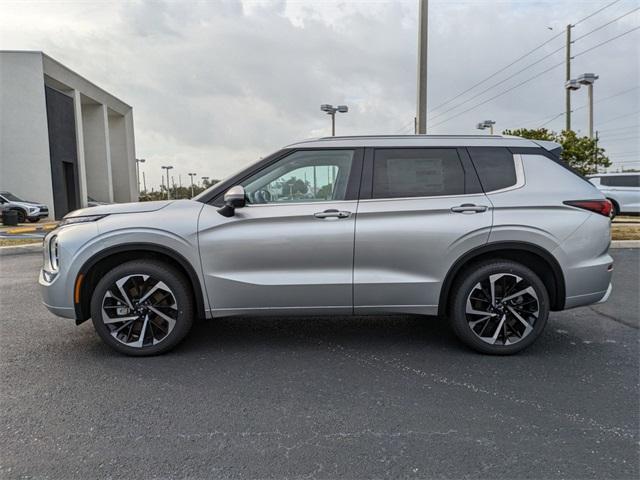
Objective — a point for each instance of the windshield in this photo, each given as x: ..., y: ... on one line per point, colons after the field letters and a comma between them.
x: 11, y: 197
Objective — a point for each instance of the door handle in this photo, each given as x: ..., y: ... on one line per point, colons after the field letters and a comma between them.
x: 469, y: 208
x: 332, y: 213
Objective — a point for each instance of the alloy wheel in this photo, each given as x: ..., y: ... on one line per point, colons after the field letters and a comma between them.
x: 139, y: 310
x: 502, y: 309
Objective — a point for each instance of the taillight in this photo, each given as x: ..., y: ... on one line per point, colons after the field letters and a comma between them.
x: 603, y: 207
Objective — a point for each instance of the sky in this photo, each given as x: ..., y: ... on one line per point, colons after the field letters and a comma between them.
x: 215, y: 85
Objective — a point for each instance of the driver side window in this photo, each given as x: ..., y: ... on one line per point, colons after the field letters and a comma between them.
x: 303, y: 176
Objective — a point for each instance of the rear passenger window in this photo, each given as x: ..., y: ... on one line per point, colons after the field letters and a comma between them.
x: 621, y: 181
x: 417, y: 172
x: 495, y: 167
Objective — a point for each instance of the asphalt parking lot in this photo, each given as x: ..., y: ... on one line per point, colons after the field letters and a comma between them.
x: 382, y: 397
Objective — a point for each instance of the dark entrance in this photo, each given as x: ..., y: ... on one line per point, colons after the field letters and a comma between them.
x: 62, y: 151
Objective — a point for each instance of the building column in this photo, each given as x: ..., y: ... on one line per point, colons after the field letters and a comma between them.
x: 97, y: 152
x: 82, y: 171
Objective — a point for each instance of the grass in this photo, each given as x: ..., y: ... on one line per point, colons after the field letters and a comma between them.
x: 12, y: 242
x: 625, y: 232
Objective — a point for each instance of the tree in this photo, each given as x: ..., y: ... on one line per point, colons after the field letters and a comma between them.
x: 581, y: 153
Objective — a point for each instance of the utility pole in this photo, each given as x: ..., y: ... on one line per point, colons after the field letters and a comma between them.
x: 567, y: 92
x: 192, y: 175
x: 423, y: 36
x: 144, y: 182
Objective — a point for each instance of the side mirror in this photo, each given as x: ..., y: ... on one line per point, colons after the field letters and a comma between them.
x: 233, y: 198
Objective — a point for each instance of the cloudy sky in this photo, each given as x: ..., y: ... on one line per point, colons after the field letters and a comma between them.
x: 216, y: 84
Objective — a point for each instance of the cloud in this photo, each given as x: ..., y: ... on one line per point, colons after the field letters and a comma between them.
x: 215, y: 85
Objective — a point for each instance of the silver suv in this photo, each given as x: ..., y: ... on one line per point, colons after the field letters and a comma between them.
x: 490, y: 232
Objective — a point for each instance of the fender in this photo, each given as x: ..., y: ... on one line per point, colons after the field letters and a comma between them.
x: 559, y: 295
x: 82, y: 315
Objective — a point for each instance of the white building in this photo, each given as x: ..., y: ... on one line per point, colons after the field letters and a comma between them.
x: 62, y: 138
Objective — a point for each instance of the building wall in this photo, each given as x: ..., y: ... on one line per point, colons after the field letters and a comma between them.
x: 97, y: 152
x: 25, y: 169
x: 63, y: 152
x: 104, y: 143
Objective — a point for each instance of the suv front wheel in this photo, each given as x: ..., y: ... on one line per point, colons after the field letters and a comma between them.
x: 499, y: 307
x: 142, y: 308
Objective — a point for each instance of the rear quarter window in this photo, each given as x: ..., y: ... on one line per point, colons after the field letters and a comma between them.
x: 495, y: 166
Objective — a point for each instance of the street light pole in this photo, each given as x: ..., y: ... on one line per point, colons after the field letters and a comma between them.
x: 331, y: 110
x: 587, y: 79
x: 423, y: 36
x: 192, y: 175
x: 567, y: 93
x: 167, y: 168
x: 138, y: 162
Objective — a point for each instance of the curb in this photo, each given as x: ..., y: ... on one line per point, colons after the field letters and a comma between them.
x: 21, y: 249
x: 625, y: 244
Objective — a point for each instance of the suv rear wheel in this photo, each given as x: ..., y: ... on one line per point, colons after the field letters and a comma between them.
x: 499, y: 307
x: 142, y: 308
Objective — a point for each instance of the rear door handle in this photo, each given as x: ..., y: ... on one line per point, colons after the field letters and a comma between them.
x: 469, y: 208
x: 332, y: 213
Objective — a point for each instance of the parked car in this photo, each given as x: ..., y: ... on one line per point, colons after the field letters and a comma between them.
x: 622, y: 189
x: 490, y: 232
x: 92, y: 202
x: 27, y: 210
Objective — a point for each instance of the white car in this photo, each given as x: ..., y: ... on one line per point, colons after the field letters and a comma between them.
x: 623, y: 189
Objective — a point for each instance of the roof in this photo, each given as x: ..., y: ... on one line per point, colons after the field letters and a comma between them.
x: 419, y: 141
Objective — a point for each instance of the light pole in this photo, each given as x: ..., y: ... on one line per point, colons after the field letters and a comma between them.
x: 486, y: 124
x: 138, y: 162
x: 587, y: 79
x: 205, y: 181
x: 167, y: 168
x: 192, y: 175
x: 331, y: 110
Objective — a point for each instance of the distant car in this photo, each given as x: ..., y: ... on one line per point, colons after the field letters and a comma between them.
x: 622, y: 189
x: 92, y: 202
x: 27, y: 210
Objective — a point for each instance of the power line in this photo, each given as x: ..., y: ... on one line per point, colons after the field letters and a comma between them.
x: 606, y: 24
x: 605, y: 42
x: 595, y: 13
x: 499, y: 94
x: 551, y: 120
x: 620, y: 128
x: 499, y: 71
x: 498, y: 83
x: 621, y: 116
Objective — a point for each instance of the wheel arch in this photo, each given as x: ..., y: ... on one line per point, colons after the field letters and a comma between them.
x: 541, y: 261
x: 89, y: 273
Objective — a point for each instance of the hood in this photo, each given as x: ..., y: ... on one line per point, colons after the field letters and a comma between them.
x: 113, y: 208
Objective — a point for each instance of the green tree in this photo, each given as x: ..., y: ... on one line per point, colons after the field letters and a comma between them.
x: 581, y: 153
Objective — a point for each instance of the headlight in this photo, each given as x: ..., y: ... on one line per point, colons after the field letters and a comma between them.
x: 33, y: 209
x: 83, y: 219
x: 51, y: 255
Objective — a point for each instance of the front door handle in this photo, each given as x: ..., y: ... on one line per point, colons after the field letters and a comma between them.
x: 332, y: 213
x: 469, y: 208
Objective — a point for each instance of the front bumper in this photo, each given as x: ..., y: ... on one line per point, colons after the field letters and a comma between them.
x: 53, y: 294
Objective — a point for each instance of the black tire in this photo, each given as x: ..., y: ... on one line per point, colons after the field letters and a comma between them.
x: 22, y: 217
x: 615, y: 209
x: 33, y: 220
x: 467, y: 283
x: 183, y: 311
